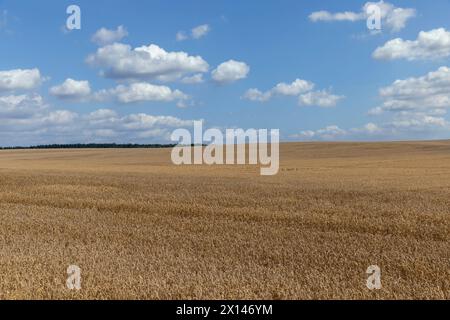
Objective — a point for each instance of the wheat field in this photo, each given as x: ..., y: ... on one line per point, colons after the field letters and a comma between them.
x: 142, y: 228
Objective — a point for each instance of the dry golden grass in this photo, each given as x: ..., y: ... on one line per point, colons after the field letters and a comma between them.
x: 140, y: 227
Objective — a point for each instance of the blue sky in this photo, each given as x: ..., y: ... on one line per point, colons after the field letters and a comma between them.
x: 309, y: 68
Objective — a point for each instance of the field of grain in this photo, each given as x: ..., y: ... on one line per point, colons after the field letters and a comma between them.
x: 142, y: 228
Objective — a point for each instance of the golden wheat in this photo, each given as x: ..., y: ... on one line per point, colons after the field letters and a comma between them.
x: 141, y: 228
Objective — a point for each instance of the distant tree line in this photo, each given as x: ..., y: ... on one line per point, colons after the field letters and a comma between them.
x: 92, y: 146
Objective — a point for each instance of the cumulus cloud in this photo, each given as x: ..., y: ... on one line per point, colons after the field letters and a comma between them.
x: 71, y: 89
x: 28, y: 120
x: 230, y: 71
x: 20, y: 79
x: 257, y: 95
x: 429, y: 93
x: 181, y: 36
x: 30, y: 111
x: 196, y: 33
x: 397, y: 18
x: 402, y: 126
x: 300, y: 88
x: 140, y: 92
x: 142, y: 121
x: 416, y: 106
x: 130, y: 93
x: 331, y: 132
x: 429, y: 45
x: 120, y: 61
x: 324, y: 15
x: 200, y: 31
x: 102, y: 116
x: 372, y: 128
x: 408, y: 125
x: 194, y: 79
x: 293, y: 89
x: 413, y: 108
x: 105, y: 36
x: 59, y: 117
x: 20, y: 106
x: 418, y: 121
x: 322, y: 99
x: 297, y: 87
x: 392, y: 17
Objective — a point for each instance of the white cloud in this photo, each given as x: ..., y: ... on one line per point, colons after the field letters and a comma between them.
x: 71, y: 89
x: 322, y: 99
x: 196, y: 78
x: 257, y: 95
x: 417, y: 122
x: 147, y: 62
x: 306, y: 134
x: 142, y: 121
x: 139, y: 92
x: 230, y: 71
x: 405, y: 126
x: 299, y: 88
x: 331, y: 132
x: 415, y: 107
x: 59, y: 117
x: 26, y: 119
x: 433, y: 44
x: 196, y: 33
x: 109, y: 119
x: 181, y: 36
x: 397, y: 18
x: 131, y: 93
x: 293, y: 89
x: 40, y: 125
x: 20, y: 106
x: 372, y: 128
x: 393, y: 18
x: 200, y: 31
x: 102, y: 116
x: 339, y: 16
x: 20, y: 79
x: 105, y: 36
x: 427, y: 93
